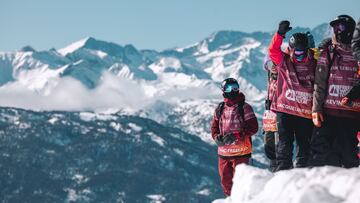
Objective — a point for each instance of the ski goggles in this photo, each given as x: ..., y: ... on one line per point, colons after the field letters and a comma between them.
x: 231, y: 87
x: 338, y: 28
x: 299, y: 52
x: 299, y: 55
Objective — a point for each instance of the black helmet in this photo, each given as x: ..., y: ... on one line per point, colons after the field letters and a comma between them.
x: 229, y: 84
x: 299, y: 41
x: 348, y: 21
x: 344, y: 27
x: 230, y: 88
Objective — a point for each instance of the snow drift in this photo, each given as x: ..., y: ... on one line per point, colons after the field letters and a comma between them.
x: 316, y: 185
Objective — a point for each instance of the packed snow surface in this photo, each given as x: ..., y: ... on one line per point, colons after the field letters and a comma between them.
x: 316, y: 185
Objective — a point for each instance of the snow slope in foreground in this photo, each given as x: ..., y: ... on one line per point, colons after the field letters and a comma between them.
x: 317, y: 185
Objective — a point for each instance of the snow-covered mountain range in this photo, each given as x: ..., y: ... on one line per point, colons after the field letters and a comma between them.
x: 180, y: 83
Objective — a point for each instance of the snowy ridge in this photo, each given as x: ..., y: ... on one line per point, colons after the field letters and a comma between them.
x: 73, y: 47
x: 316, y: 185
x: 223, y: 54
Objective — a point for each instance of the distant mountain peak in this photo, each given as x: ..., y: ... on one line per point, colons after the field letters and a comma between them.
x: 27, y: 49
x: 75, y: 46
x: 91, y: 43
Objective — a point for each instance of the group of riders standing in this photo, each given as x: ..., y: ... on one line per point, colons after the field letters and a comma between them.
x: 313, y: 99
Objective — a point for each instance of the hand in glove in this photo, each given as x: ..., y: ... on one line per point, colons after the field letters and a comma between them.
x: 346, y: 102
x: 325, y: 43
x: 284, y: 27
x: 317, y: 119
x: 230, y: 138
x: 219, y: 140
x: 310, y: 39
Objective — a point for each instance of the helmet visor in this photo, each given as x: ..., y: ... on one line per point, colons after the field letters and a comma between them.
x: 231, y: 87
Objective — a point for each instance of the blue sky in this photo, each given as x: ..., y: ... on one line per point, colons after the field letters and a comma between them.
x: 152, y: 24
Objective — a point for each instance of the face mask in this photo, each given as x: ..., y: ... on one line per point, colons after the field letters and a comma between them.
x: 299, y: 58
x: 231, y: 95
x: 344, y: 38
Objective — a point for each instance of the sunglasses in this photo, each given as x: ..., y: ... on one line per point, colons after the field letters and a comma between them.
x: 231, y: 87
x: 339, y: 28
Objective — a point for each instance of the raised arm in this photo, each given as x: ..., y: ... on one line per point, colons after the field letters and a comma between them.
x: 275, y: 52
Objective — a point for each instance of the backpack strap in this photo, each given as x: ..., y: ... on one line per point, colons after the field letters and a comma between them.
x: 331, y: 54
x: 268, y: 85
x: 219, y: 110
x: 241, y: 109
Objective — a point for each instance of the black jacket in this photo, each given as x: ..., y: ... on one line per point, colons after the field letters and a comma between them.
x: 355, y: 46
x: 355, y: 43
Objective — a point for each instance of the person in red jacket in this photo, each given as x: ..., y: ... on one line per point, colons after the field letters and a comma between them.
x: 232, y: 126
x: 292, y: 101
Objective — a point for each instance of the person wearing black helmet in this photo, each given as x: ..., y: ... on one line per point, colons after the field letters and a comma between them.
x: 334, y: 139
x: 293, y: 98
x: 232, y: 126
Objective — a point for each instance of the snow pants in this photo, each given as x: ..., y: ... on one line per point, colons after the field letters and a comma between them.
x: 292, y: 127
x: 270, y: 149
x: 227, y: 170
x: 335, y: 143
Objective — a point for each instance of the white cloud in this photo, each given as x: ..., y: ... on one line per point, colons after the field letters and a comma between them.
x: 70, y: 94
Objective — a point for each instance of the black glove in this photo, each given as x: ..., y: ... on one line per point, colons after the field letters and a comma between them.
x: 229, y: 138
x: 219, y: 140
x: 284, y: 27
x: 325, y: 43
x: 310, y: 40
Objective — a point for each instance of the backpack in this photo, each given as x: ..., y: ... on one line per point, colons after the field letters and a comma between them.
x: 220, y: 108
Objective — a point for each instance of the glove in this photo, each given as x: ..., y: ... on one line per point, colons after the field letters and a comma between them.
x: 317, y: 118
x: 230, y: 138
x: 325, y: 43
x: 219, y: 140
x: 284, y: 27
x: 310, y: 40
